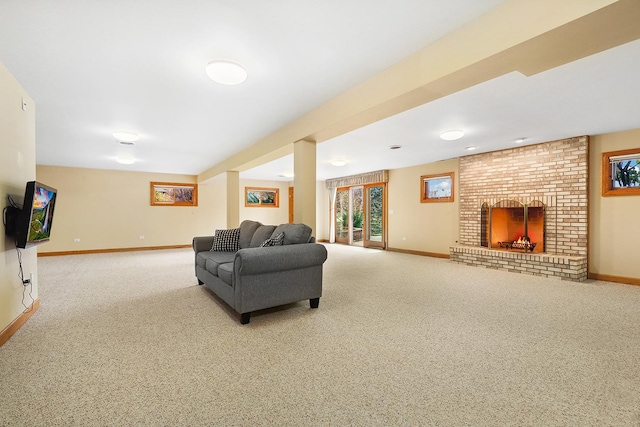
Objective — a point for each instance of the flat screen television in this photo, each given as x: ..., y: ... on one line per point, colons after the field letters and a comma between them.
x: 32, y: 224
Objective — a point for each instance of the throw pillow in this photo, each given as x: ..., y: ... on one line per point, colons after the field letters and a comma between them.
x: 226, y: 240
x: 261, y: 234
x: 274, y: 241
x: 295, y: 233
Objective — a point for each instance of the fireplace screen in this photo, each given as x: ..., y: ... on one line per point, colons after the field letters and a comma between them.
x: 512, y: 225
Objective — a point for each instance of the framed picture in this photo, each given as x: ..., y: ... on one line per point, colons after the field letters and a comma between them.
x: 174, y: 194
x: 436, y: 188
x: 259, y: 197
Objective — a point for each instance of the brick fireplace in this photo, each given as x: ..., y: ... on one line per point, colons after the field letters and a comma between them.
x: 546, y: 181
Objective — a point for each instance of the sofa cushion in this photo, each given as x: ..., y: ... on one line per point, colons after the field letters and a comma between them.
x: 225, y: 273
x: 293, y: 233
x: 226, y: 240
x: 247, y: 229
x: 273, y: 241
x: 263, y: 233
x: 210, y: 260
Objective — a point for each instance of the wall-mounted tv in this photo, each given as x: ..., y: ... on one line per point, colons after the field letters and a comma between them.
x: 32, y: 224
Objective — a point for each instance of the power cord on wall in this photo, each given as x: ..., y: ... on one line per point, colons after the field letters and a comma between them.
x: 26, y: 283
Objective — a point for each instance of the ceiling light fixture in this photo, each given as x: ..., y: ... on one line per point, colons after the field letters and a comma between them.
x: 451, y: 135
x: 338, y: 163
x: 226, y: 72
x: 520, y: 140
x: 125, y: 136
x: 286, y: 175
x: 125, y: 160
x: 471, y: 147
x: 395, y: 147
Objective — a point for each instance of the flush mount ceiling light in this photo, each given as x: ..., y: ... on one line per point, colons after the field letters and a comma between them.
x: 286, y: 175
x: 471, y: 148
x: 395, y: 147
x: 226, y: 72
x: 520, y: 140
x: 338, y: 163
x: 125, y: 160
x: 124, y: 136
x: 451, y: 135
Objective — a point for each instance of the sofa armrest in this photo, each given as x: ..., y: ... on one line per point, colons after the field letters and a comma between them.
x: 202, y: 243
x: 251, y: 261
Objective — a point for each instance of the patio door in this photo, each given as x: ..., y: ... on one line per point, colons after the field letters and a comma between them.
x: 359, y: 215
x: 349, y: 218
x: 375, y: 202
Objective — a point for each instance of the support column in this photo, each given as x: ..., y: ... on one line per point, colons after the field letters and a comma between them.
x: 304, y: 183
x: 233, y: 199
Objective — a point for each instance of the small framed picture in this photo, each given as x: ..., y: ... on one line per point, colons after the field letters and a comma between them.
x: 259, y: 197
x: 174, y: 194
x: 436, y: 188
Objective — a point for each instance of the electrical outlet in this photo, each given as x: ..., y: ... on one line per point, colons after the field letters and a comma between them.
x: 404, y: 238
x: 76, y: 240
x: 141, y: 237
x: 32, y: 277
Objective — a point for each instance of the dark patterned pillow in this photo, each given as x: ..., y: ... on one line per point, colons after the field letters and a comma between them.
x: 226, y: 240
x: 274, y: 241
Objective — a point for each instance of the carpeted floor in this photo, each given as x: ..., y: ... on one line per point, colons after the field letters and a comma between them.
x: 130, y: 339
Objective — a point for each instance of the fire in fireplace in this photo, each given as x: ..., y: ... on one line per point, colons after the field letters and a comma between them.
x: 510, y: 224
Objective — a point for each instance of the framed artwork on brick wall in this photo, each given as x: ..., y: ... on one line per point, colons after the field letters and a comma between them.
x: 437, y: 188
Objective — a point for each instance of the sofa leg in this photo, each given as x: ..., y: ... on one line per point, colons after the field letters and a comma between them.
x: 245, y: 318
x: 200, y: 282
x: 314, y: 302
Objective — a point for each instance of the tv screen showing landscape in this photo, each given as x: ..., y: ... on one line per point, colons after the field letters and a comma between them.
x: 41, y: 213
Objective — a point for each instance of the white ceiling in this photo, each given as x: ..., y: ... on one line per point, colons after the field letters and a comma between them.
x: 94, y: 67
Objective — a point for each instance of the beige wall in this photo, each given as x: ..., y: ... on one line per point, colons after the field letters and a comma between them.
x: 425, y: 227
x: 272, y: 216
x: 109, y: 209
x: 613, y: 225
x: 17, y: 166
x: 323, y: 212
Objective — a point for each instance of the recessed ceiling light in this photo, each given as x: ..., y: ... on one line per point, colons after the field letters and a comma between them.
x: 226, y: 72
x: 451, y: 135
x: 520, y: 140
x: 395, y: 147
x: 126, y: 136
x: 125, y: 160
x: 286, y: 175
x: 471, y: 147
x: 338, y: 163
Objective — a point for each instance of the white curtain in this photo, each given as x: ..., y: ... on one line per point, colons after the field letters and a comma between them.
x: 332, y: 215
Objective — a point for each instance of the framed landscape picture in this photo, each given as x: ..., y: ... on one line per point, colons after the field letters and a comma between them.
x: 260, y: 197
x: 174, y: 194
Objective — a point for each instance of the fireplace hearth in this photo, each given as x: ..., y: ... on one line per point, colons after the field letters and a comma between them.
x: 512, y: 224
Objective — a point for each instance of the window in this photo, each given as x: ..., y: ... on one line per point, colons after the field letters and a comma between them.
x: 436, y: 188
x: 621, y: 173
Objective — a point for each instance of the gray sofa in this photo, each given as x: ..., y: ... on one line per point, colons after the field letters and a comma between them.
x: 254, y: 278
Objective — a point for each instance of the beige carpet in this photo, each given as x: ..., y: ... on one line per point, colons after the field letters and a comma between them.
x: 130, y: 339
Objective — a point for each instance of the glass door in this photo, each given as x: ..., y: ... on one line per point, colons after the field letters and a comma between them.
x: 375, y: 220
x: 357, y: 216
x: 342, y: 219
x: 360, y: 215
